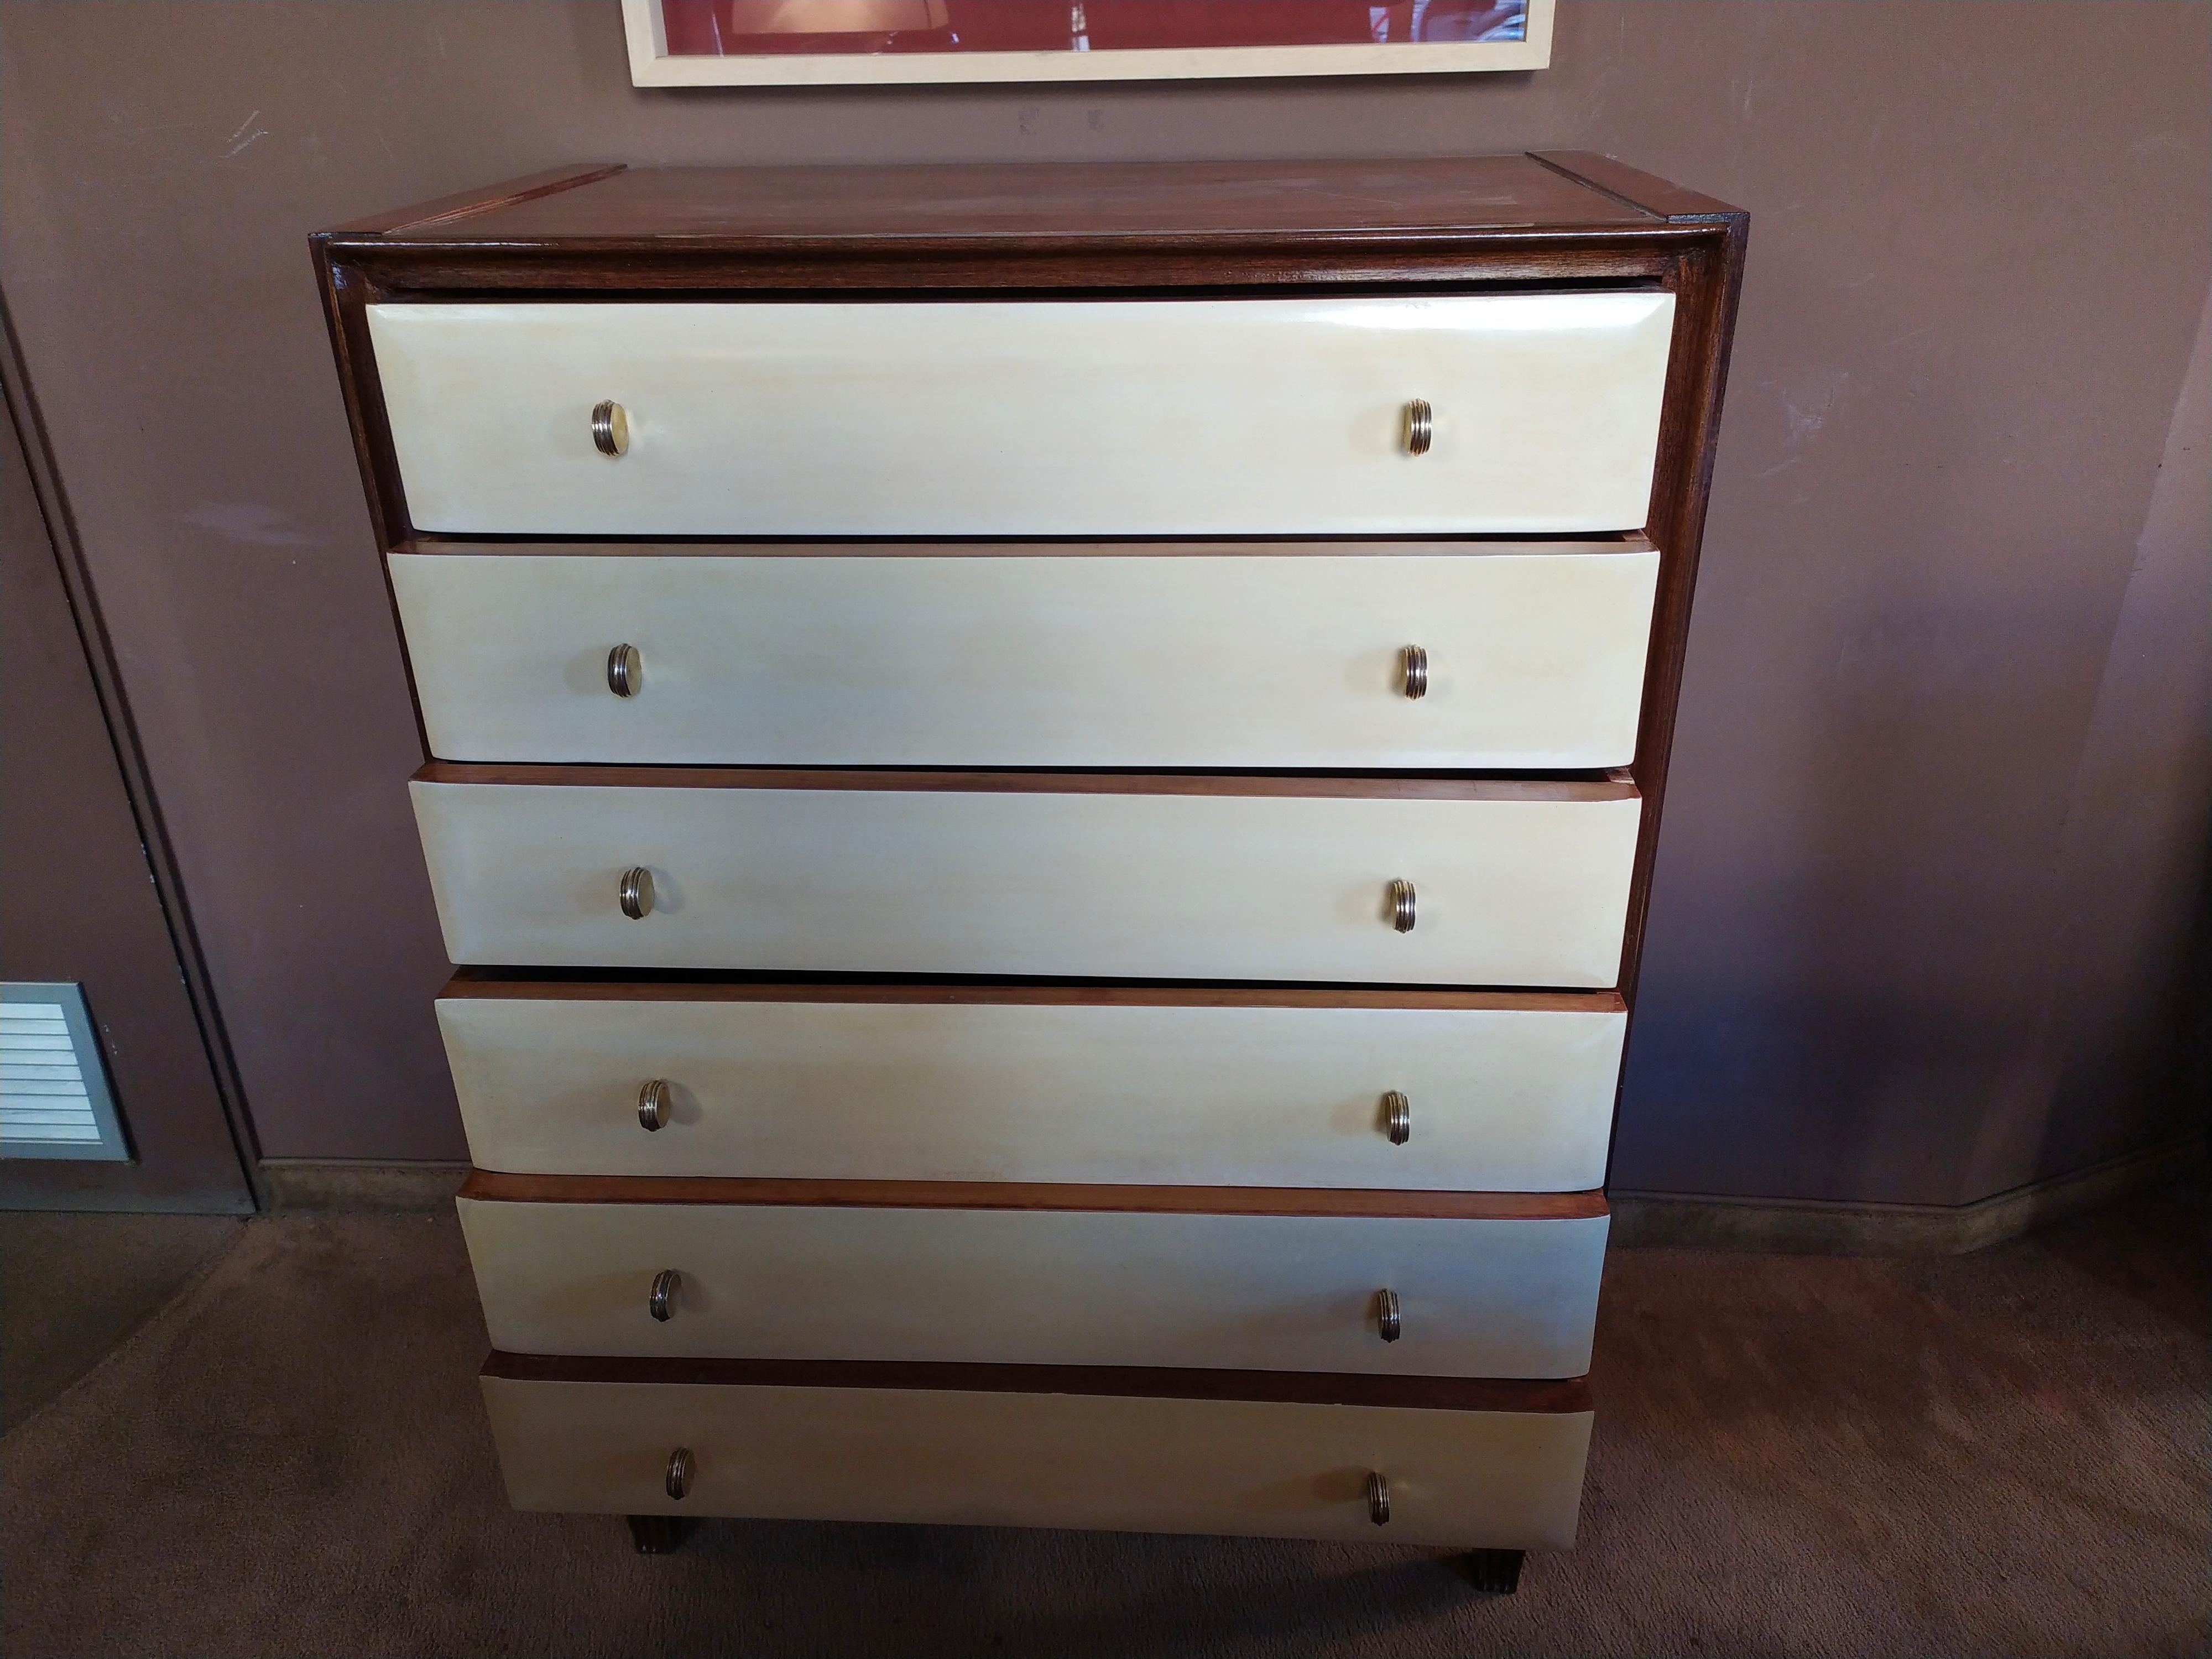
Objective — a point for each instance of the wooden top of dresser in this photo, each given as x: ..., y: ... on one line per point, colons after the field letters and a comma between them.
x: 1365, y: 201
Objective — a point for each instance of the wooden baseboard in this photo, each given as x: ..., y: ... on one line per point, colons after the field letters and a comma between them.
x: 307, y: 1183
x: 1640, y: 1220
x: 1800, y: 1227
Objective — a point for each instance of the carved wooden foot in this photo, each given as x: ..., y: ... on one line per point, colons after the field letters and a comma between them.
x: 660, y: 1535
x: 1494, y: 1572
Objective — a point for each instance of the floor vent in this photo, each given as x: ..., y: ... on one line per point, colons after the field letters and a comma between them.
x: 54, y: 1100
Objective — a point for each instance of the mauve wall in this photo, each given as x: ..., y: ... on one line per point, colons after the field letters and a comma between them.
x: 1979, y: 261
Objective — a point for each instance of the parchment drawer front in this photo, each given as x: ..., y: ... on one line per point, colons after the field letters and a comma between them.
x: 1527, y: 891
x: 1495, y: 1100
x: 1463, y: 1479
x: 1529, y: 659
x: 1013, y: 417
x: 1509, y: 1297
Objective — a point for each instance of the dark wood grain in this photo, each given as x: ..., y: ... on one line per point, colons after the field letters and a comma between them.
x: 1634, y: 187
x: 1464, y: 1393
x: 445, y: 210
x: 503, y: 985
x: 1454, y: 262
x: 345, y: 294
x: 1711, y: 279
x: 1707, y: 281
x: 1283, y: 786
x: 490, y: 1186
x: 1001, y: 202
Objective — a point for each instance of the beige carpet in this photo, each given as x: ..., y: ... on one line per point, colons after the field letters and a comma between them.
x: 2004, y: 1453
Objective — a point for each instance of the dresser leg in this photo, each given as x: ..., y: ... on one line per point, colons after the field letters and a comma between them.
x: 1494, y: 1572
x: 660, y: 1535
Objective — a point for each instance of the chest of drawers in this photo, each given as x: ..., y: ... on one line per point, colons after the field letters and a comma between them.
x: 1043, y: 781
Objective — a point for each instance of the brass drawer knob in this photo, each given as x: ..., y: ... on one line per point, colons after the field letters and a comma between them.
x: 1402, y: 905
x: 611, y: 428
x: 1388, y: 1325
x: 626, y: 671
x: 1414, y: 677
x: 660, y: 1302
x: 1397, y: 1118
x: 1420, y: 427
x: 652, y: 1105
x: 1378, y: 1497
x: 678, y: 1484
x: 636, y: 893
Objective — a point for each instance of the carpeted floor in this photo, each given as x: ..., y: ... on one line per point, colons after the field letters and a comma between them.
x: 74, y: 1285
x: 2002, y: 1454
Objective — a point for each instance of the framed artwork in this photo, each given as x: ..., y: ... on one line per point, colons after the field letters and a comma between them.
x: 723, y: 43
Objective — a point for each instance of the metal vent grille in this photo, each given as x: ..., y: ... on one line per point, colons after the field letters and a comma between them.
x: 54, y: 1099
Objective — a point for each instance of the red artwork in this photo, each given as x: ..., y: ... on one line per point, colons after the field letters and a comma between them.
x: 715, y: 29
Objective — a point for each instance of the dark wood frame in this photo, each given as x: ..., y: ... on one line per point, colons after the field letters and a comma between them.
x: 1472, y: 1394
x: 1597, y: 544
x: 684, y: 985
x: 486, y: 1185
x: 1641, y: 231
x: 1280, y: 785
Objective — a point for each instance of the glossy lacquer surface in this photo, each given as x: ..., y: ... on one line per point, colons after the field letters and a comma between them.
x: 1526, y: 888
x: 1019, y: 417
x: 1490, y: 1296
x: 1498, y: 1099
x: 1469, y: 1478
x: 1106, y: 657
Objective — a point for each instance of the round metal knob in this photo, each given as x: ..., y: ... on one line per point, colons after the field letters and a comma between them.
x: 611, y: 428
x: 1414, y: 676
x: 626, y: 671
x: 1397, y: 1117
x: 660, y: 1302
x: 652, y: 1105
x: 678, y: 1484
x: 636, y: 893
x: 1378, y: 1497
x: 1388, y: 1325
x: 1402, y: 905
x: 1420, y: 427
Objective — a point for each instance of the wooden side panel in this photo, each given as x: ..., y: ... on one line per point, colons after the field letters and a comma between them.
x: 1533, y: 659
x: 1498, y: 1099
x: 1019, y: 417
x: 1507, y: 891
x: 1509, y: 1299
x: 1457, y: 1478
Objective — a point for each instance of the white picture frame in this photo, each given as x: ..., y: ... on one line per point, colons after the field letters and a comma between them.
x: 651, y: 64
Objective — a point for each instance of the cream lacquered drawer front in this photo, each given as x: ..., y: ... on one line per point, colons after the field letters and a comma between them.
x: 1503, y: 883
x: 1469, y: 1478
x: 1531, y: 658
x: 1013, y: 418
x: 1505, y: 1297
x: 1493, y: 1099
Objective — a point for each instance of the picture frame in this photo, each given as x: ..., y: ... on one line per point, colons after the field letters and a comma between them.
x: 728, y: 43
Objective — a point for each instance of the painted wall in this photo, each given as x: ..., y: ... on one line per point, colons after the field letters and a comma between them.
x: 1979, y: 256
x: 77, y: 899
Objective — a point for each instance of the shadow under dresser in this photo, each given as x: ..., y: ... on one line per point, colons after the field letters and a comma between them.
x: 1044, y: 782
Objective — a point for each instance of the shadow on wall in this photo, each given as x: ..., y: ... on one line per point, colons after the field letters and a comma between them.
x: 1976, y: 889
x: 1922, y: 1035
x: 1898, y: 977
x: 2150, y: 1070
